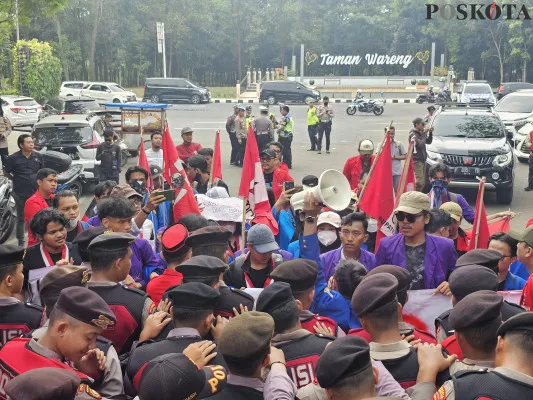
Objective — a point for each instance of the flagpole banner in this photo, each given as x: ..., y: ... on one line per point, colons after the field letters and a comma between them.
x: 228, y: 209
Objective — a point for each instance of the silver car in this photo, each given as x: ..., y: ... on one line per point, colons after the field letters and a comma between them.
x: 21, y: 110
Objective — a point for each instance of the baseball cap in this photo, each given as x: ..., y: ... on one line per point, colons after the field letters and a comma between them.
x: 155, y: 171
x: 268, y: 154
x: 329, y: 217
x: 366, y: 146
x: 124, y: 190
x: 454, y: 209
x: 413, y: 202
x: 262, y: 239
x: 525, y: 236
x: 175, y: 376
x: 186, y: 130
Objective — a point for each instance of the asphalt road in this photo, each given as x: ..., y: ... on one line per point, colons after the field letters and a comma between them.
x: 346, y: 133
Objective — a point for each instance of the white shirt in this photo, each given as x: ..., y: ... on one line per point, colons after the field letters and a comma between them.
x: 155, y: 157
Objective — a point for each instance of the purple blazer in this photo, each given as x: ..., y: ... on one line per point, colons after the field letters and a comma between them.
x: 331, y: 259
x: 143, y: 256
x: 439, y: 260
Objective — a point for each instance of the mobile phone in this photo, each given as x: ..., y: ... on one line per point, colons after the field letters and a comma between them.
x: 170, y: 195
x: 288, y: 185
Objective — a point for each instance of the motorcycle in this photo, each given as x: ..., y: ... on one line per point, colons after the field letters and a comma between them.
x: 444, y: 96
x: 7, y: 217
x: 366, y: 105
x: 428, y: 97
x: 72, y: 179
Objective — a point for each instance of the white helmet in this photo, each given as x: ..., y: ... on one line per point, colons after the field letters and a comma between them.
x: 366, y: 146
x: 263, y: 108
x: 359, y: 91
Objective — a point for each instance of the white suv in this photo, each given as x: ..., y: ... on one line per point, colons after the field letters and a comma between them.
x: 476, y: 93
x: 107, y: 93
x: 21, y: 110
x: 71, y: 88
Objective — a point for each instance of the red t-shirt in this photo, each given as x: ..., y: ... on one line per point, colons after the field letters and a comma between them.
x: 186, y: 150
x: 526, y: 300
x: 157, y: 286
x: 33, y: 205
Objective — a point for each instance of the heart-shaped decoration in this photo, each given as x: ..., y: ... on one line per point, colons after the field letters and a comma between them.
x: 423, y: 56
x: 310, y: 57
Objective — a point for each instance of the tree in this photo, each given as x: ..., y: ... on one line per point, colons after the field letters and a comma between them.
x: 519, y: 36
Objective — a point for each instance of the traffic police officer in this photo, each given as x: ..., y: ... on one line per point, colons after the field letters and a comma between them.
x: 264, y: 131
x: 110, y: 255
x: 78, y: 317
x: 301, y: 348
x: 404, y: 282
x: 301, y: 276
x: 192, y: 313
x: 285, y: 134
x: 249, y: 117
x: 16, y: 317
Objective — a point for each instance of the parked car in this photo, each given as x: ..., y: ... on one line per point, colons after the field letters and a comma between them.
x: 287, y: 91
x: 71, y: 88
x: 165, y: 90
x: 476, y: 93
x: 21, y: 110
x: 107, y: 92
x: 511, y: 87
x: 473, y: 142
x: 521, y: 138
x: 77, y: 135
x: 515, y: 107
x: 69, y: 106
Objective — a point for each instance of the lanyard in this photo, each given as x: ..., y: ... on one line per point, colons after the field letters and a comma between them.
x: 249, y: 283
x: 48, y: 259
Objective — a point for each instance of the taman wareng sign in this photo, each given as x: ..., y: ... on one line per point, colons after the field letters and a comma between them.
x: 370, y: 59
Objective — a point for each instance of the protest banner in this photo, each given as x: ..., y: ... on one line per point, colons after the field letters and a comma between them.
x: 228, y: 209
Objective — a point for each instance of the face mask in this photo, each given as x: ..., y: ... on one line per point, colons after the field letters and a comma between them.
x: 327, y: 237
x: 72, y: 223
x: 440, y: 183
x: 326, y: 103
x: 139, y: 187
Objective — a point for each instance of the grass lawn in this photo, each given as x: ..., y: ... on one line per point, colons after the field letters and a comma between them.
x: 217, y: 92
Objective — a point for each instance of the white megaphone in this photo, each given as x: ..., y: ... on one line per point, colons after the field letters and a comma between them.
x: 333, y: 191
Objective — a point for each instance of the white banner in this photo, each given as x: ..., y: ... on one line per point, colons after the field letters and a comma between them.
x: 228, y: 209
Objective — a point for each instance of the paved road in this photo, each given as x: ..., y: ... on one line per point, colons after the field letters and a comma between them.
x: 346, y: 133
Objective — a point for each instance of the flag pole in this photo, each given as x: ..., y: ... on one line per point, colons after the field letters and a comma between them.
x: 211, y: 180
x: 360, y: 196
x: 243, y: 225
x: 405, y: 171
x: 481, y: 194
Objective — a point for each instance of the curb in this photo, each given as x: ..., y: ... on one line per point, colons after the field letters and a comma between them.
x: 246, y: 101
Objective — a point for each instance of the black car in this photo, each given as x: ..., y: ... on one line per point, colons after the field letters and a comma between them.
x: 510, y: 87
x: 166, y: 90
x: 473, y: 142
x: 69, y: 106
x: 287, y: 92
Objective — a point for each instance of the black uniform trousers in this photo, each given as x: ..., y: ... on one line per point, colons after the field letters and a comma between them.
x: 240, y: 152
x: 286, y: 142
x: 323, y: 128
x: 234, y: 147
x: 313, y: 132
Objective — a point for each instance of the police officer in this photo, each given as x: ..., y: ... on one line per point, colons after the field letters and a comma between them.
x: 109, y: 383
x: 83, y: 240
x: 78, y: 317
x: 192, y: 314
x: 249, y: 117
x: 404, y: 281
x: 264, y: 131
x: 16, y: 317
x: 230, y: 128
x: 301, y: 275
x: 510, y: 379
x: 272, y: 117
x: 345, y: 370
x: 285, y: 134
x: 301, y: 348
x: 376, y: 303
x: 110, y: 256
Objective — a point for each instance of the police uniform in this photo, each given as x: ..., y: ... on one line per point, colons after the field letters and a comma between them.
x: 84, y: 239
x: 110, y: 382
x: 301, y: 347
x: 22, y: 354
x: 131, y: 306
x: 373, y: 294
x: 16, y: 317
x: 192, y: 296
x: 263, y: 129
x: 301, y: 275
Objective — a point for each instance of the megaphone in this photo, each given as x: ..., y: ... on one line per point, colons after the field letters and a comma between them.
x: 333, y: 191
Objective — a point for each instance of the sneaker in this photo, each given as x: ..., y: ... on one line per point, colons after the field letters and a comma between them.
x: 528, y: 189
x: 319, y: 152
x: 311, y: 149
x: 327, y: 151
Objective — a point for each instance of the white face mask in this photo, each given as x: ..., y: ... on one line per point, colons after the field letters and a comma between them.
x: 72, y: 223
x: 327, y: 237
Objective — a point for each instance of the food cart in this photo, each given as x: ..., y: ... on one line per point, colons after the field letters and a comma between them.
x: 137, y: 119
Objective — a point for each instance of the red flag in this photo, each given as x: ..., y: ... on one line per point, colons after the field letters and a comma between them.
x: 216, y: 171
x: 407, y: 179
x: 499, y: 225
x: 480, y: 232
x: 377, y: 199
x: 253, y: 187
x: 143, y: 162
x: 185, y: 202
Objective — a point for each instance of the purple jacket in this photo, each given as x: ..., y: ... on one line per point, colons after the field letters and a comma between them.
x: 143, y: 256
x: 468, y: 212
x: 439, y: 261
x: 331, y: 259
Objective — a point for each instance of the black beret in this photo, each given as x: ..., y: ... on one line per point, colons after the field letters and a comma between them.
x: 201, y: 267
x: 401, y: 274
x: 173, y: 240
x: 11, y: 255
x: 518, y: 322
x: 310, y: 180
x: 111, y: 241
x: 274, y: 296
x: 470, y: 279
x: 375, y: 292
x: 476, y: 309
x: 300, y: 274
x: 347, y: 356
x: 175, y: 376
x: 483, y: 257
x: 44, y: 384
x: 246, y: 335
x: 209, y: 236
x: 86, y: 237
x: 194, y: 296
x: 86, y: 306
x: 60, y: 278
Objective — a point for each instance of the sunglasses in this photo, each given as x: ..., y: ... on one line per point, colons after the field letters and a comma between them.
x: 402, y: 216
